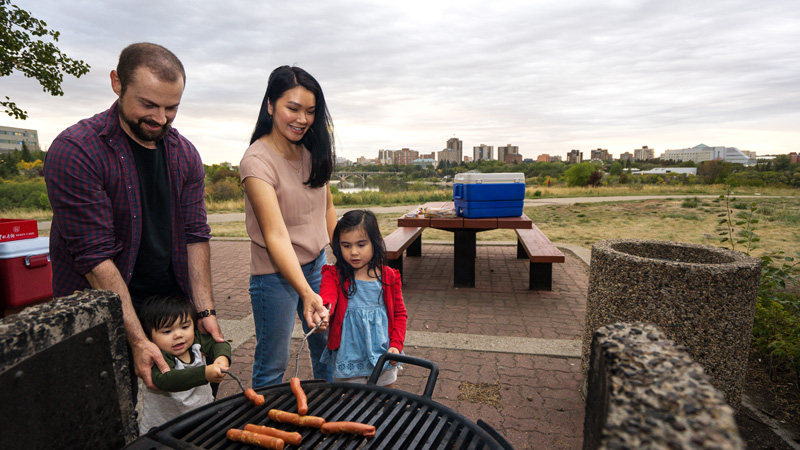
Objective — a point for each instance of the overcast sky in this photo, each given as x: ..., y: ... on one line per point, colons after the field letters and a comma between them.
x: 548, y: 76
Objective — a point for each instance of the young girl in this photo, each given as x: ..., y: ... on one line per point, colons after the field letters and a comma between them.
x: 368, y: 316
x: 169, y: 322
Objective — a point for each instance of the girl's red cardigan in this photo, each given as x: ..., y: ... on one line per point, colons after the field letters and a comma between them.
x: 332, y: 295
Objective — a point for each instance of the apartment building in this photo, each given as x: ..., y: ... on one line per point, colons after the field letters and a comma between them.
x: 600, y: 154
x: 482, y: 152
x: 643, y: 154
x: 509, y: 149
x: 12, y: 138
x: 453, y: 152
x: 574, y: 156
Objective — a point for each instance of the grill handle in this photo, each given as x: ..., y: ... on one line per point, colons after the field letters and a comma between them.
x: 432, y: 377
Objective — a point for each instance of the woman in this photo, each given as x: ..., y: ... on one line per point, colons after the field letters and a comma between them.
x: 290, y: 219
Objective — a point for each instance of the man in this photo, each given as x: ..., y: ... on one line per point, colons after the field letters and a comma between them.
x: 127, y: 192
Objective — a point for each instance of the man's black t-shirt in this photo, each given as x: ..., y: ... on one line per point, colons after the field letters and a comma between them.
x: 152, y: 273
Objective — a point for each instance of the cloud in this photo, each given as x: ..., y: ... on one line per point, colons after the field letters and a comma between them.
x: 547, y: 76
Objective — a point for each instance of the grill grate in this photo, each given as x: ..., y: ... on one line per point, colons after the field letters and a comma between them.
x: 402, y: 420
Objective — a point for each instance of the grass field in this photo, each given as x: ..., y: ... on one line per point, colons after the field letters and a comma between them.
x: 691, y: 220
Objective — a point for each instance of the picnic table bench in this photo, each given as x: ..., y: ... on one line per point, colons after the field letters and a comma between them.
x: 403, y: 239
x: 534, y: 245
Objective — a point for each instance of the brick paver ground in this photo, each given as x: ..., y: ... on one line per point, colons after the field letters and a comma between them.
x: 538, y: 403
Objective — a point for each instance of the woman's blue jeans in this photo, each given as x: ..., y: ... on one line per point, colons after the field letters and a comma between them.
x: 275, y: 304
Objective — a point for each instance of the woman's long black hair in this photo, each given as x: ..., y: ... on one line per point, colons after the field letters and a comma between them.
x: 319, y: 138
x: 352, y: 220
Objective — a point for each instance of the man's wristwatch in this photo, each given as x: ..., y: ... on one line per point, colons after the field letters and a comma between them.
x: 206, y: 313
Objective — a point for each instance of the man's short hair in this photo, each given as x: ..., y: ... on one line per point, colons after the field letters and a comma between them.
x: 160, y: 61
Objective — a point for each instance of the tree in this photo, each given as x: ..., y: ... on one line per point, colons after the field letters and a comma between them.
x: 596, y: 178
x: 714, y: 171
x: 782, y: 162
x: 615, y: 169
x: 579, y: 174
x: 23, y: 52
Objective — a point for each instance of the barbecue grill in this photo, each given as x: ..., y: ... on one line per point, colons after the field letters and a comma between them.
x: 402, y: 420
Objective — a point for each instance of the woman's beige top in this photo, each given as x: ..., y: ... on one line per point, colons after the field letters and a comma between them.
x: 302, y: 207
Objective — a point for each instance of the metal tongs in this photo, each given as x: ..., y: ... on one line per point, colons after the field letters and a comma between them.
x: 235, y: 378
x: 300, y: 350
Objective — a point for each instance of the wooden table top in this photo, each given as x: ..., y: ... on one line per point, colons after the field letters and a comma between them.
x: 485, y: 223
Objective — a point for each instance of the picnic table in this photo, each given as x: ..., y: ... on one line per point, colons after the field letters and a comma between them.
x: 464, y: 236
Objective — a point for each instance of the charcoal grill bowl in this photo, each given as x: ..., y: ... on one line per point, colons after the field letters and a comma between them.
x: 403, y: 420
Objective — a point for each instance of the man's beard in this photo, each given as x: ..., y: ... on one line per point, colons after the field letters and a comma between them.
x: 140, y: 132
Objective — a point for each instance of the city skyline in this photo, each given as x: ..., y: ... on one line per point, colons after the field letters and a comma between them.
x: 638, y: 154
x: 612, y: 74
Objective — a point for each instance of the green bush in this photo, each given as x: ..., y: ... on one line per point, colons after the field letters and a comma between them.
x: 384, y: 198
x: 225, y: 189
x: 776, y: 325
x: 776, y: 329
x: 27, y: 194
x: 690, y: 203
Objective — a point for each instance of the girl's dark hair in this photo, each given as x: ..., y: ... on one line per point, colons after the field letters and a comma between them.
x: 350, y: 221
x: 319, y: 138
x: 159, y: 311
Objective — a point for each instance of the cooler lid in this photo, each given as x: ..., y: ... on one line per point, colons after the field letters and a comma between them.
x: 24, y: 247
x: 486, y: 178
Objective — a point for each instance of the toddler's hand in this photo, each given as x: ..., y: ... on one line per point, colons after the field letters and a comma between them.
x: 223, y: 362
x: 396, y: 352
x: 214, y: 373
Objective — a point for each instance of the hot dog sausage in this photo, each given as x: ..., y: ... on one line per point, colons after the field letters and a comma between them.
x: 290, y: 438
x: 260, y: 440
x: 292, y: 418
x: 254, y: 398
x: 300, y: 395
x: 348, y: 427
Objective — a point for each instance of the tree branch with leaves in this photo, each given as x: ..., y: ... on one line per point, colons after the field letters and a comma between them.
x: 22, y: 50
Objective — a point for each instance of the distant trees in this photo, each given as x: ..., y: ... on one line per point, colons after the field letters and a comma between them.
x: 222, y: 182
x: 10, y: 162
x: 35, y: 58
x: 714, y: 171
x: 579, y: 174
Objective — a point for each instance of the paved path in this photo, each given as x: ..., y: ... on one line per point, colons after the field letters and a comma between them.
x: 520, y: 348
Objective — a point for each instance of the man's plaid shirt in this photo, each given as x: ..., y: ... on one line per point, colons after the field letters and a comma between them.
x: 93, y: 187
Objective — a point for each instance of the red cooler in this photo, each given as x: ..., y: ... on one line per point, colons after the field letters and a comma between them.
x: 25, y: 272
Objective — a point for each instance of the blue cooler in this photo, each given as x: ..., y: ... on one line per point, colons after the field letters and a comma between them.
x: 477, y: 195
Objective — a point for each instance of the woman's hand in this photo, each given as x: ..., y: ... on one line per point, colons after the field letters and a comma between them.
x: 314, y: 311
x: 396, y: 352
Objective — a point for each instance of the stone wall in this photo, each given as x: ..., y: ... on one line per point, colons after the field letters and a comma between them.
x: 64, y: 375
x: 644, y: 391
x: 700, y: 296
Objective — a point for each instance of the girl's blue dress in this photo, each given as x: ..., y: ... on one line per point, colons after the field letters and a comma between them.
x: 365, y: 333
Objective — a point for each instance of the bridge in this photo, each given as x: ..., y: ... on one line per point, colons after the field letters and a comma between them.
x: 361, y: 175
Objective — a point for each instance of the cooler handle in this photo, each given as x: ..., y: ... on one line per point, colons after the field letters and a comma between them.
x: 34, y: 261
x: 457, y: 191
